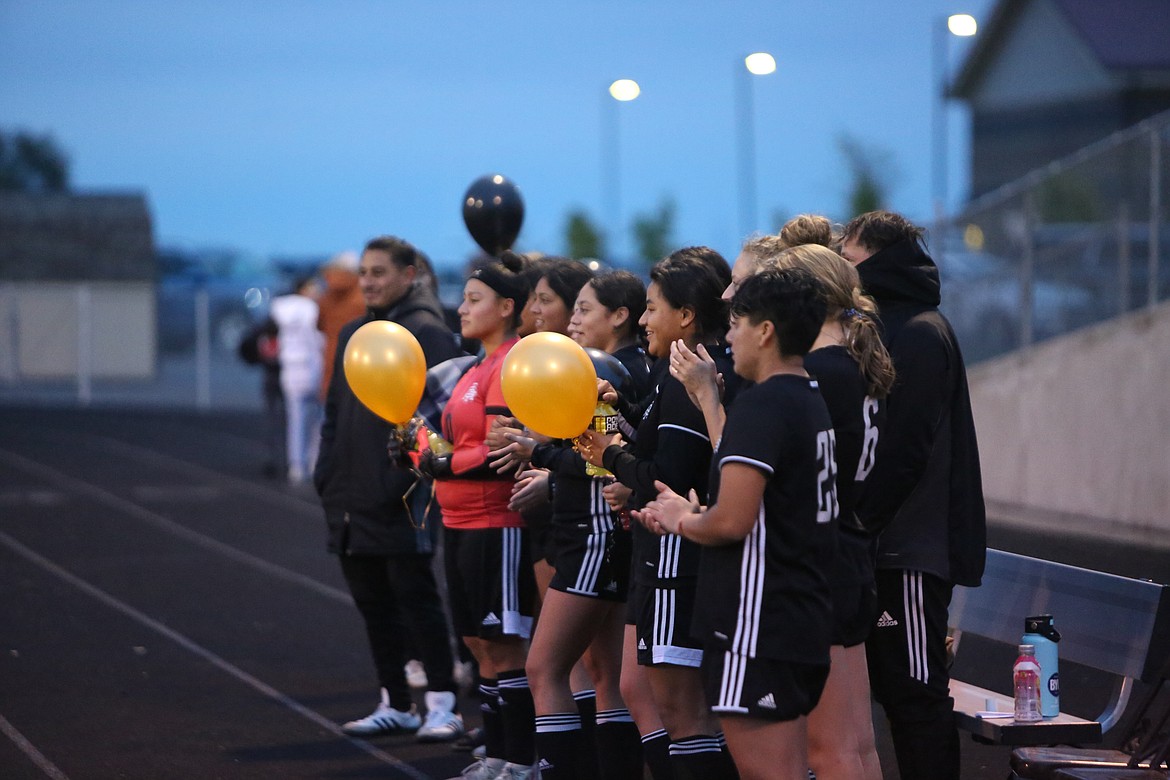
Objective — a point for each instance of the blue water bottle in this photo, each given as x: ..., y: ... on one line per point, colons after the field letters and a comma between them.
x: 1042, y: 634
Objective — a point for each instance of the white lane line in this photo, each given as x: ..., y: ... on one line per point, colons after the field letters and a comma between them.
x: 165, y: 494
x: 120, y: 504
x: 45, y: 765
x: 205, y: 654
x: 249, y: 488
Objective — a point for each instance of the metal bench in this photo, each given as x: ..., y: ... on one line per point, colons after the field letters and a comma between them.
x: 1115, y: 624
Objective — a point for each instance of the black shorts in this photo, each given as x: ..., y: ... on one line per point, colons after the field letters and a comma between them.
x: 591, y: 562
x: 490, y: 584
x: 540, y: 534
x: 662, y: 618
x: 854, y: 613
x: 762, y: 688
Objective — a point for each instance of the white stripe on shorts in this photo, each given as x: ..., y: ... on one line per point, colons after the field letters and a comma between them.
x: 590, y: 570
x: 514, y: 622
x: 751, y: 588
x: 731, y: 686
x: 664, y: 602
x: 669, y: 551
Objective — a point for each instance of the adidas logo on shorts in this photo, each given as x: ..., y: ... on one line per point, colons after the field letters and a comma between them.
x: 611, y: 587
x: 641, y: 644
x: 767, y: 701
x: 544, y: 764
x: 885, y: 621
x: 491, y: 620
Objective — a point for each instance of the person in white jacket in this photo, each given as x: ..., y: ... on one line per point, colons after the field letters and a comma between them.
x: 301, y: 351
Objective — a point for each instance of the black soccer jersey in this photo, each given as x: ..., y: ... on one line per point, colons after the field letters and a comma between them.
x: 673, y: 447
x: 768, y: 596
x: 638, y: 363
x: 856, y: 420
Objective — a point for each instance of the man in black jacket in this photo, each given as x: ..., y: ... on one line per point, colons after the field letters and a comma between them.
x: 380, y: 528
x: 924, y: 497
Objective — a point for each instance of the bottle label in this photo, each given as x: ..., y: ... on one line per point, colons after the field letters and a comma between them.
x: 1054, y: 684
x: 605, y: 419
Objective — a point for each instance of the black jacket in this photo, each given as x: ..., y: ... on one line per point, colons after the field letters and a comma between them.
x: 362, y: 492
x: 925, y: 493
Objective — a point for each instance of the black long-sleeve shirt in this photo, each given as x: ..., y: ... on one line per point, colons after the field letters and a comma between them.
x: 925, y: 493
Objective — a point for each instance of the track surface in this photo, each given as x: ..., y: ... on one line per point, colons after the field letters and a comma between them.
x: 166, y: 612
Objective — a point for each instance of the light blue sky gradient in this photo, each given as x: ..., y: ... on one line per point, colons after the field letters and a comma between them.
x: 301, y: 127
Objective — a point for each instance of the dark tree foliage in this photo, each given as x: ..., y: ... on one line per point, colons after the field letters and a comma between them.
x: 32, y: 163
x: 582, y: 238
x: 652, y: 233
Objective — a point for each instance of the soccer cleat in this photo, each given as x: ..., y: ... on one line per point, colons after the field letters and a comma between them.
x: 483, y: 769
x: 442, y: 724
x: 384, y: 720
x: 416, y: 674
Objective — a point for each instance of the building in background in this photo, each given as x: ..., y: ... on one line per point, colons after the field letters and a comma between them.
x: 77, y: 286
x: 1046, y: 78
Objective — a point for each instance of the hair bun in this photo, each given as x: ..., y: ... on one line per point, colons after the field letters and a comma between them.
x: 512, y: 261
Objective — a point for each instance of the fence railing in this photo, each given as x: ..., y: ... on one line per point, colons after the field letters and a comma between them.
x: 105, y: 342
x: 1081, y: 240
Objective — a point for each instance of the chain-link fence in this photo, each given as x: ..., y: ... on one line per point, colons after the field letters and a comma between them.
x: 1082, y: 240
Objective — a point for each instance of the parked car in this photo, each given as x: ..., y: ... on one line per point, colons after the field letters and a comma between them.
x: 981, y: 296
x: 1113, y: 263
x: 238, y: 285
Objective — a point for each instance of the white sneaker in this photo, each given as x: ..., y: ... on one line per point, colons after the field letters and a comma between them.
x: 384, y: 720
x: 416, y: 674
x: 483, y: 769
x: 442, y: 724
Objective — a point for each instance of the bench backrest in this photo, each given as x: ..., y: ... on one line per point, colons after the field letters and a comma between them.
x: 1116, y: 624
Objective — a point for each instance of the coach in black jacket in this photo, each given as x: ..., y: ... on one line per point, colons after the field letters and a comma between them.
x: 924, y: 496
x: 385, y: 545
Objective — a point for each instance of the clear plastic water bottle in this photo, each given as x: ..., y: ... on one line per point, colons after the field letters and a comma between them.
x: 1040, y: 632
x: 1026, y: 675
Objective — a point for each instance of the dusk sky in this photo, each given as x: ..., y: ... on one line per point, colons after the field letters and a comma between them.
x: 307, y: 127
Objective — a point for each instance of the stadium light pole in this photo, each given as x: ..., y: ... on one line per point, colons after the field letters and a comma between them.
x: 620, y: 91
x: 962, y: 26
x: 757, y: 64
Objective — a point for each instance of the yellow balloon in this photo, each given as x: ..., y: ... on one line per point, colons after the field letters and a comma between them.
x: 386, y: 369
x: 550, y: 385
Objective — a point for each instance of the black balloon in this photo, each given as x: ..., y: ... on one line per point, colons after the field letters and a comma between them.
x: 610, y: 369
x: 493, y: 212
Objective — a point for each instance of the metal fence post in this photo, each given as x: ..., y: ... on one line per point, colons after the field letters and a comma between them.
x: 1027, y: 270
x: 84, y: 344
x: 1123, y: 256
x: 202, y: 349
x: 1155, y: 215
x: 10, y: 351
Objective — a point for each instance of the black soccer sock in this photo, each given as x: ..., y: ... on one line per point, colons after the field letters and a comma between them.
x: 619, y: 749
x: 519, y: 715
x: 558, y: 742
x: 656, y: 754
x: 493, y: 724
x: 700, y: 757
x: 587, y: 708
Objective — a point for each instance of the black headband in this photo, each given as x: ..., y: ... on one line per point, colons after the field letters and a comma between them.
x: 505, y: 283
